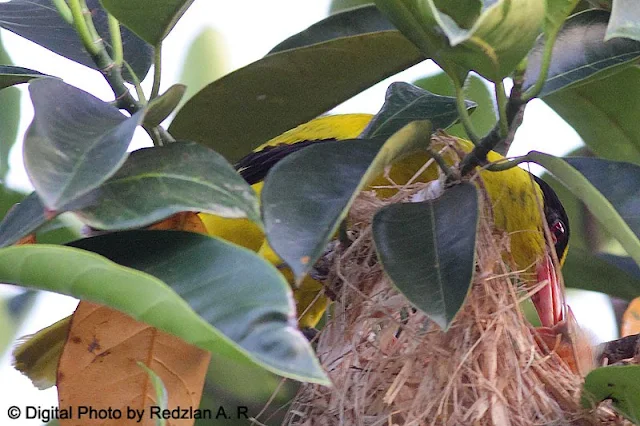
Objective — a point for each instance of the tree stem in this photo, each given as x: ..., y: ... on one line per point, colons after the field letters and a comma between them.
x: 157, y: 71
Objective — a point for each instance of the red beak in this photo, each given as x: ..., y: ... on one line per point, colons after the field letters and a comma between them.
x: 549, y: 301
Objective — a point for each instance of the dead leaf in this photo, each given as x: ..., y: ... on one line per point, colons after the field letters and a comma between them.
x: 183, y: 221
x: 29, y: 239
x: 98, y: 369
x: 630, y: 324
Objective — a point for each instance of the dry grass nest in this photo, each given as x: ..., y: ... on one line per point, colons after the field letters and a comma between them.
x: 390, y: 365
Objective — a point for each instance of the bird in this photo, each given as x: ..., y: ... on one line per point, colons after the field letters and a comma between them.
x: 517, y: 199
x: 517, y: 196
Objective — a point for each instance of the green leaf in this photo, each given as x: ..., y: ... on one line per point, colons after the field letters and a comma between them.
x: 603, y: 112
x: 160, y: 108
x: 307, y: 194
x: 157, y: 182
x: 580, y: 54
x: 150, y: 23
x: 556, y: 13
x: 162, y: 396
x: 275, y: 94
x: 484, y: 115
x: 500, y: 38
x: 10, y: 75
x: 463, y: 12
x: 40, y: 22
x: 22, y: 220
x: 585, y: 270
x: 207, y: 60
x: 405, y: 103
x: 428, y: 251
x: 239, y: 306
x: 620, y: 384
x: 362, y: 20
x: 9, y: 113
x: 609, y: 189
x: 75, y: 142
x: 342, y: 5
x: 490, y: 47
x: 625, y: 20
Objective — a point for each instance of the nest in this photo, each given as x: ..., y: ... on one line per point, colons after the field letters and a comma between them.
x: 390, y: 365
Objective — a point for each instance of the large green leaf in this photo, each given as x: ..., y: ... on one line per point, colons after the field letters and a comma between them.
x: 405, y: 103
x: 604, y: 113
x: 151, y: 22
x: 253, y: 104
x: 307, y: 194
x: 580, y: 54
x: 428, y: 251
x: 585, y: 270
x: 620, y: 384
x: 362, y: 20
x: 610, y: 190
x: 75, y: 142
x: 206, y: 60
x: 498, y: 40
x: 9, y: 116
x: 239, y: 306
x: 40, y: 22
x: 155, y: 183
x: 484, y: 115
x: 10, y: 75
x: 625, y: 20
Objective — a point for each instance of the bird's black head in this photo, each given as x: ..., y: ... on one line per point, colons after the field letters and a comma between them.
x: 556, y: 218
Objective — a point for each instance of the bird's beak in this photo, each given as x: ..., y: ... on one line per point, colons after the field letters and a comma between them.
x: 549, y: 301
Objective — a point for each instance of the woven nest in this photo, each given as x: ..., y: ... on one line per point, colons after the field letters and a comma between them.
x: 390, y: 365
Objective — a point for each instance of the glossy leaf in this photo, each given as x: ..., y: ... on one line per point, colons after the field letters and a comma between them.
x: 405, y: 103
x: 161, y: 107
x: 603, y: 112
x: 610, y: 190
x: 75, y: 142
x: 249, y: 304
x: 274, y: 94
x: 463, y: 12
x: 601, y: 272
x: 307, y: 194
x: 40, y: 22
x: 580, y: 54
x: 155, y: 183
x: 625, y: 20
x: 483, y: 115
x: 10, y: 75
x: 491, y: 47
x: 22, y: 220
x: 428, y: 251
x: 620, y: 384
x: 152, y: 24
x: 365, y: 19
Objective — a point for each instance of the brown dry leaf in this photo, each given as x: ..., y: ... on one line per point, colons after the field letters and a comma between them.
x: 29, y: 239
x: 183, y: 221
x: 98, y: 369
x: 630, y: 324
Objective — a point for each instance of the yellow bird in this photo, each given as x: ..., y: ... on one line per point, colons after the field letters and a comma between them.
x: 514, y: 195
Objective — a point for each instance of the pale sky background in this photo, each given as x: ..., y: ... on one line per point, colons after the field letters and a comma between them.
x: 250, y: 28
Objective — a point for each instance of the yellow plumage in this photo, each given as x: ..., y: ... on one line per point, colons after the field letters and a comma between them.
x: 515, y: 209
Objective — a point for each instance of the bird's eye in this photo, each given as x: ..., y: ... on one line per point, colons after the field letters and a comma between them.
x: 558, y: 231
